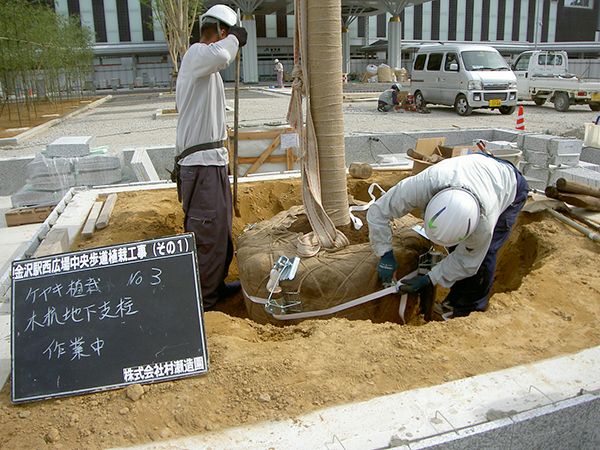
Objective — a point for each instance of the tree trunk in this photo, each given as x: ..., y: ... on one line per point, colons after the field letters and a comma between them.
x: 325, y: 66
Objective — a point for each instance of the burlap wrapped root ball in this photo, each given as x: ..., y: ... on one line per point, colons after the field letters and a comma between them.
x: 327, y: 279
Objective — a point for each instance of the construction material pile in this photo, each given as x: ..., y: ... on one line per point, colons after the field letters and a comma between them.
x: 66, y: 163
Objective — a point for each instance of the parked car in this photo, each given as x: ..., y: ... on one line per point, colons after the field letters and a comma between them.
x: 544, y: 76
x: 466, y: 76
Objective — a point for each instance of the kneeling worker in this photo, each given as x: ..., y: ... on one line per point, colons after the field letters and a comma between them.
x: 471, y: 203
x: 388, y: 98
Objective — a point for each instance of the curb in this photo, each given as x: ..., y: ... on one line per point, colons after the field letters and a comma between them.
x: 27, y: 134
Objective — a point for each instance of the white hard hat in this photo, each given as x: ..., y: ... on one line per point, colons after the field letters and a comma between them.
x: 397, y: 86
x: 276, y: 60
x: 223, y: 13
x: 451, y: 216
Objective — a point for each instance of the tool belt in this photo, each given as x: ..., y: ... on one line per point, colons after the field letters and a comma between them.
x: 188, y: 151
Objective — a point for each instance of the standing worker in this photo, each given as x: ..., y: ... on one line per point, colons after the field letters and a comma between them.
x: 471, y: 203
x: 279, y: 70
x: 389, y: 98
x: 203, y: 182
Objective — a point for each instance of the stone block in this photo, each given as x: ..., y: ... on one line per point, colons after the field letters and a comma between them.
x: 94, y: 162
x: 538, y: 172
x: 589, y: 166
x: 70, y: 146
x: 99, y: 177
x: 28, y: 196
x: 580, y: 174
x: 537, y: 142
x: 564, y: 146
x: 590, y: 154
x: 535, y: 183
x: 535, y: 158
x: 564, y: 160
x: 52, y: 182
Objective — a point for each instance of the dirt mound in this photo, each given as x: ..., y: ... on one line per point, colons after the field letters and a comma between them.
x: 545, y: 303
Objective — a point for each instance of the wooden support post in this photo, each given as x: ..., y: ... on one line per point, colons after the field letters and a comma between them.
x: 56, y: 241
x: 106, y: 211
x: 90, y: 223
x: 427, y: 295
x: 261, y: 159
x: 289, y: 152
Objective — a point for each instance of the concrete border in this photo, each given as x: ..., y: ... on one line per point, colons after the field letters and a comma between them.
x: 32, y: 132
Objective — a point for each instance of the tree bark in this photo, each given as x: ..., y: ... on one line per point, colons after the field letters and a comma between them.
x: 325, y: 66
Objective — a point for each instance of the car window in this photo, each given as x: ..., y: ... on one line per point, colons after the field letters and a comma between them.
x: 523, y: 62
x: 550, y: 60
x: 420, y: 62
x: 451, y: 58
x: 435, y: 61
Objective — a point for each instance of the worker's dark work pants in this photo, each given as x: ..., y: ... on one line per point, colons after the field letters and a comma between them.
x: 383, y: 106
x: 207, y: 204
x: 471, y: 294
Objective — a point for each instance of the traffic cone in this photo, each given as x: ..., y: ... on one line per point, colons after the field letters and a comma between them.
x: 520, y: 120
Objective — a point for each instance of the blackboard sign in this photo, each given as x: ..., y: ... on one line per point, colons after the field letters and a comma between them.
x: 106, y: 317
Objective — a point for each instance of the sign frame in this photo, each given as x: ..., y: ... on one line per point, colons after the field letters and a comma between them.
x: 106, y: 317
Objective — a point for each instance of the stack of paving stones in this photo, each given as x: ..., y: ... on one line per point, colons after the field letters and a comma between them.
x: 548, y: 158
x: 67, y: 162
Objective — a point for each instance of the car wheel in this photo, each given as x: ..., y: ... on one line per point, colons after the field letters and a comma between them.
x: 561, y: 102
x: 420, y: 100
x: 507, y: 110
x: 461, y: 106
x: 595, y: 106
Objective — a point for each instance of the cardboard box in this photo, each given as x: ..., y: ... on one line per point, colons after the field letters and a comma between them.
x: 426, y: 147
x: 401, y: 96
x: 433, y: 146
x: 24, y: 216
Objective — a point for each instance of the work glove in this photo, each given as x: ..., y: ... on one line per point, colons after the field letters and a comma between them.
x: 387, y: 266
x: 414, y: 284
x: 240, y: 33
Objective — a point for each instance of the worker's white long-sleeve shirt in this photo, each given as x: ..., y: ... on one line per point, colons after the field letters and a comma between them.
x: 492, y: 182
x: 200, y: 99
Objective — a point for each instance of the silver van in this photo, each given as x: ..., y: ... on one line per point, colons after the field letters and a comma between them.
x: 466, y: 76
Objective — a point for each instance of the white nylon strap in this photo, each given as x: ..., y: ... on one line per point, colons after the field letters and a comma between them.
x: 356, y: 302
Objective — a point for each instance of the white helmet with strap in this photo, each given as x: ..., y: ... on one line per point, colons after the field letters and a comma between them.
x: 451, y: 216
x: 222, y: 13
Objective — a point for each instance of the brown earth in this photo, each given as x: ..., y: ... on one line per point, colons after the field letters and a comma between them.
x: 547, y: 292
x: 15, y: 116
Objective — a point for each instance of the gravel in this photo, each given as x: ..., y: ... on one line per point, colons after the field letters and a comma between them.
x: 127, y: 120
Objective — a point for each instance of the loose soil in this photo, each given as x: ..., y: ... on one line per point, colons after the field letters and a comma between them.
x: 13, y: 116
x: 545, y: 303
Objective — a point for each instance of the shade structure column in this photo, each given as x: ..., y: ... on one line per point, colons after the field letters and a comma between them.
x: 250, y: 51
x: 345, y: 50
x: 395, y: 43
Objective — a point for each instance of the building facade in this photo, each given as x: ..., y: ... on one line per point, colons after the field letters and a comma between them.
x: 131, y: 51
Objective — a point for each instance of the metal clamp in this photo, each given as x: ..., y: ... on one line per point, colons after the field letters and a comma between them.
x: 280, y: 302
x: 429, y: 260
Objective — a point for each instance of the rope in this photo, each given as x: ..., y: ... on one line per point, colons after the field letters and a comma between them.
x: 324, y: 234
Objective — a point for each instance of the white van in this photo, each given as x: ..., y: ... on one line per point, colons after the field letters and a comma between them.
x: 465, y: 76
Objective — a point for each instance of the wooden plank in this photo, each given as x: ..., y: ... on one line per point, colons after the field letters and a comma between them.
x: 23, y: 216
x: 271, y: 134
x: 270, y: 159
x: 56, y: 241
x: 264, y: 155
x: 106, y: 211
x: 90, y: 223
x: 290, y: 159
